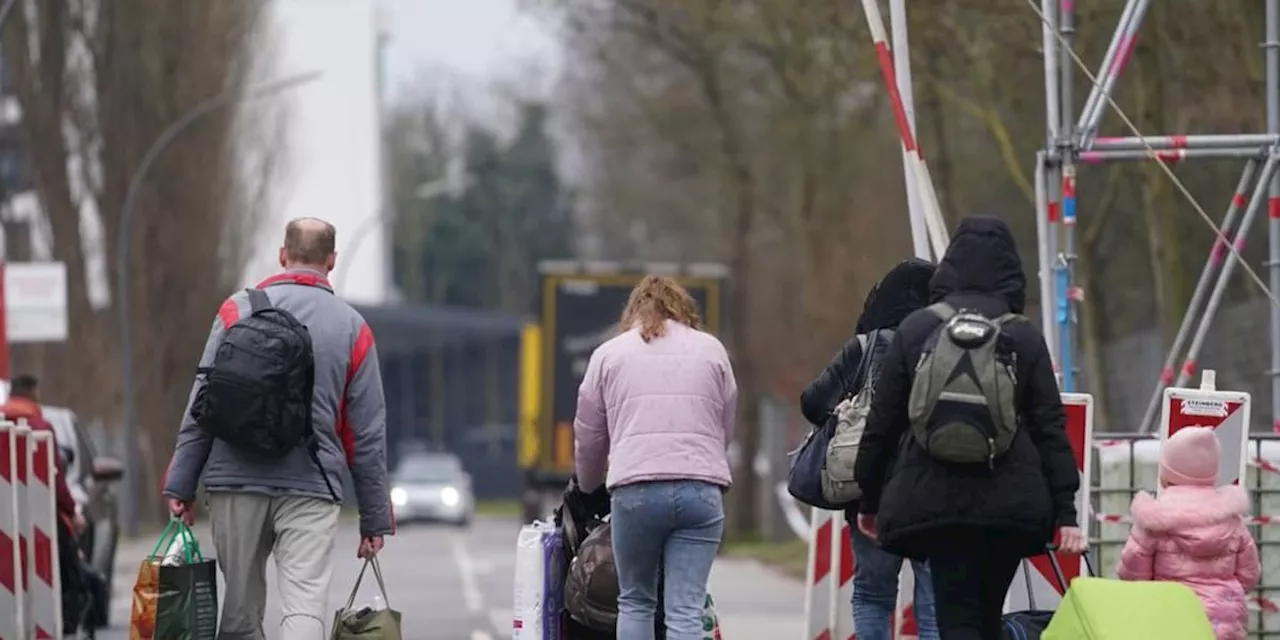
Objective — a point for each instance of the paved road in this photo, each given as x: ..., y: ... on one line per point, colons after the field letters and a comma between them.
x: 455, y: 584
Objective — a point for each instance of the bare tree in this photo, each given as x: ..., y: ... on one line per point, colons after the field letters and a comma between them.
x: 97, y: 82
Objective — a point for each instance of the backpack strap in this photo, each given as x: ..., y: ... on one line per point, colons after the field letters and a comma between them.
x: 943, y: 310
x: 1010, y: 318
x: 309, y: 435
x: 868, y: 353
x: 258, y: 300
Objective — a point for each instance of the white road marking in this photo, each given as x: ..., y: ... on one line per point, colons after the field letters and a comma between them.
x: 466, y: 569
x: 480, y: 634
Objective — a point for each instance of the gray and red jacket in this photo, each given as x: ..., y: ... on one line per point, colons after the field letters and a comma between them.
x: 348, y: 411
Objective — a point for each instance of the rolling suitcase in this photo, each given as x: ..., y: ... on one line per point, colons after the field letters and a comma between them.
x: 1100, y: 609
x: 1031, y: 624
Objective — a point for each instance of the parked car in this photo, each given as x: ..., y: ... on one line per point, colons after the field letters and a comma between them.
x: 432, y: 487
x: 90, y: 478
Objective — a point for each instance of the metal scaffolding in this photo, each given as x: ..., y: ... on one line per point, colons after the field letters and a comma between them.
x: 1072, y: 141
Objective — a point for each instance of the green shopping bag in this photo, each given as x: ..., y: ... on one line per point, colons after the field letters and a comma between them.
x: 176, y: 594
x: 366, y: 623
x: 1101, y: 609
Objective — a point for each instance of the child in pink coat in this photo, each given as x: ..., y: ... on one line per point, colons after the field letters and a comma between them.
x: 1194, y: 533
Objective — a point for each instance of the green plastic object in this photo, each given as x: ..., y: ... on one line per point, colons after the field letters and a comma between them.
x: 1101, y: 609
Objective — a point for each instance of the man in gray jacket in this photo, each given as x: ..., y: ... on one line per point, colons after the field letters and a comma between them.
x: 284, y: 508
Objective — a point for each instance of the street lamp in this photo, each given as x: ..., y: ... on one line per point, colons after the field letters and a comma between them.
x: 426, y: 191
x: 210, y: 105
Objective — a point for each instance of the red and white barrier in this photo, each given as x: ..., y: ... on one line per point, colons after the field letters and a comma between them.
x: 44, y: 585
x: 1226, y: 412
x: 30, y: 589
x: 828, y: 608
x: 12, y: 592
x: 1041, y: 584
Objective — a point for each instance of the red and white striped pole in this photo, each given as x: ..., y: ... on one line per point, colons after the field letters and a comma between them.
x: 828, y: 603
x: 938, y: 237
x: 45, y: 584
x: 12, y: 594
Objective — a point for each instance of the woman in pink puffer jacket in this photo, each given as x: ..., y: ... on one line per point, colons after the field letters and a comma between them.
x: 1194, y: 532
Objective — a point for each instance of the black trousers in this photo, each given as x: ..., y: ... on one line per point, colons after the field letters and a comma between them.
x: 969, y: 587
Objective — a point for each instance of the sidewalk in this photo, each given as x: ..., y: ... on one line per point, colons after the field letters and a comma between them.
x: 755, y: 602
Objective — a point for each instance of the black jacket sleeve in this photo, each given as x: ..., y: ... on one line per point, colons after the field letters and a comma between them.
x: 886, y: 423
x: 821, y: 396
x: 1046, y: 423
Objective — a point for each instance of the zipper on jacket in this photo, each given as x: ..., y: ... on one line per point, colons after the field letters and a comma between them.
x: 991, y: 454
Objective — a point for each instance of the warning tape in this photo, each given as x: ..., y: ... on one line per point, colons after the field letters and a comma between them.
x: 1266, y: 605
x: 1112, y: 518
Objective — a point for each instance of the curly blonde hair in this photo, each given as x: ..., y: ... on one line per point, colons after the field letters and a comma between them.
x: 654, y: 301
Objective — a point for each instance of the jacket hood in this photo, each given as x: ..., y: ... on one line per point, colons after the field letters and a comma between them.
x: 1200, y: 518
x: 982, y: 258
x: 901, y: 291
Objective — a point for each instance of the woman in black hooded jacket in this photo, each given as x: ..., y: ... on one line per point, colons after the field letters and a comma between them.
x: 973, y: 523
x: 875, y: 575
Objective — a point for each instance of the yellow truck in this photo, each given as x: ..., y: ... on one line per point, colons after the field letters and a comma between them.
x: 580, y: 305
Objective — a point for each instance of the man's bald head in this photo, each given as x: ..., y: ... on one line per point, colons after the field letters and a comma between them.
x: 309, y: 242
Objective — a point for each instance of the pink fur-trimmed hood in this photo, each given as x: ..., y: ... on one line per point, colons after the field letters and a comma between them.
x: 1183, y: 507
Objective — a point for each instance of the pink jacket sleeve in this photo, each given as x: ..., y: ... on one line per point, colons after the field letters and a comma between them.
x: 1248, y: 567
x: 1137, y: 560
x: 591, y: 429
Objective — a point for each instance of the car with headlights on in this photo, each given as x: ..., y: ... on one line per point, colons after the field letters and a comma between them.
x: 432, y: 487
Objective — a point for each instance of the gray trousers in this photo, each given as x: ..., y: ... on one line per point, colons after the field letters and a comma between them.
x: 297, y: 531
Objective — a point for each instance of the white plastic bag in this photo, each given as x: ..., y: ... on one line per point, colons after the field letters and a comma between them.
x: 176, y: 553
x: 527, y: 609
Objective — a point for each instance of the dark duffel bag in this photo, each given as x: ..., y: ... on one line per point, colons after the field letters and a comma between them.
x: 1028, y: 625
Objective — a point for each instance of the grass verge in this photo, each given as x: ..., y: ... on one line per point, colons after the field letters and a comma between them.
x: 504, y: 508
x: 789, y: 557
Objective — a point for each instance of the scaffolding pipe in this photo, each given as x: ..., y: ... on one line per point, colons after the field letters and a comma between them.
x: 1051, y: 172
x: 1067, y: 294
x: 1211, y: 264
x: 1224, y: 277
x: 1124, y: 39
x: 1272, y: 46
x: 1045, y: 266
x: 1049, y: 33
x: 1129, y: 143
x: 1108, y: 59
x: 1170, y: 156
x: 902, y: 68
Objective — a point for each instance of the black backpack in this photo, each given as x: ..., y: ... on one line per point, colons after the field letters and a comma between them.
x: 257, y: 394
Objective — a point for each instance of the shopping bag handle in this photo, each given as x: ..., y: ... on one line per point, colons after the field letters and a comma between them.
x: 176, y: 529
x: 377, y: 574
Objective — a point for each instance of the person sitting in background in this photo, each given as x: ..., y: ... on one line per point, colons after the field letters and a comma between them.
x: 656, y: 409
x: 1194, y: 533
x: 904, y: 289
x: 24, y: 404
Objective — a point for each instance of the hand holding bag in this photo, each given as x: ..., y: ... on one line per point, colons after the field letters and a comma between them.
x: 366, y: 623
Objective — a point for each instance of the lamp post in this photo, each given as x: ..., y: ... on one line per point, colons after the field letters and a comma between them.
x: 426, y: 191
x: 123, y: 235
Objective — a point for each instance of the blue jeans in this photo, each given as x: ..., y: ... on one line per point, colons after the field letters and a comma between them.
x: 674, y: 525
x: 875, y: 592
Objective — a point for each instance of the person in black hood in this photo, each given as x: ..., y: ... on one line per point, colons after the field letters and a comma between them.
x: 974, y: 523
x: 875, y: 574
